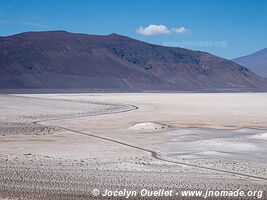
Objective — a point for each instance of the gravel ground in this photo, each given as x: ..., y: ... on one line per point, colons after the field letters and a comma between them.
x: 18, y: 128
x: 62, y: 146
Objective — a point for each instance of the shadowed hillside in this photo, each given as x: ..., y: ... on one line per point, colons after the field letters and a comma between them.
x: 58, y: 59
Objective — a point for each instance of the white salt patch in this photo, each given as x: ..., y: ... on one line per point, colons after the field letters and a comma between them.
x: 213, y: 153
x: 222, y: 145
x: 262, y: 136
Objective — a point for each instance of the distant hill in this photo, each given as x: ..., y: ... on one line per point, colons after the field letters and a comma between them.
x: 256, y: 62
x: 59, y: 59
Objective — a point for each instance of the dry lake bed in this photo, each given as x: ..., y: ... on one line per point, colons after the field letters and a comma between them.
x: 63, y: 146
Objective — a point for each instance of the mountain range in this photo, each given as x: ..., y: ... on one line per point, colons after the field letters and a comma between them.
x: 256, y: 62
x: 62, y: 60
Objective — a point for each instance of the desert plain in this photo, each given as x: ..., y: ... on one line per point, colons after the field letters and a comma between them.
x: 63, y: 146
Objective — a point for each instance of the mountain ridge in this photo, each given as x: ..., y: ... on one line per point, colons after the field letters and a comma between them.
x: 255, y: 62
x: 60, y: 59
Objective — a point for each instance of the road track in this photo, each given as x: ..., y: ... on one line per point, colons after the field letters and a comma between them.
x: 154, y: 154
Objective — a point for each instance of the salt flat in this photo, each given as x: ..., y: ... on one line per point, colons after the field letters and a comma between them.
x: 61, y: 146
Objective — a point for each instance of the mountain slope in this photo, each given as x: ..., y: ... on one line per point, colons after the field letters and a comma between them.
x: 256, y: 62
x: 64, y: 60
x: 59, y: 59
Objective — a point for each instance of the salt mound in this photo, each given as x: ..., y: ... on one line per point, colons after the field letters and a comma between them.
x: 262, y: 136
x: 149, y: 126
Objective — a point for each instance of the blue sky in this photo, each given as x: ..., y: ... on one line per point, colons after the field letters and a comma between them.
x: 227, y: 28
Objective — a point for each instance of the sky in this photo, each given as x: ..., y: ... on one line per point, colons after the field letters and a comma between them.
x: 226, y: 28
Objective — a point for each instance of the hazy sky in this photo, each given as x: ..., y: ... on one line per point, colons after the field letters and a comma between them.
x: 227, y: 28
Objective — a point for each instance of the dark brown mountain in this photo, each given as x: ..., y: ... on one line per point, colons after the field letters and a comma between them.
x: 58, y: 59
